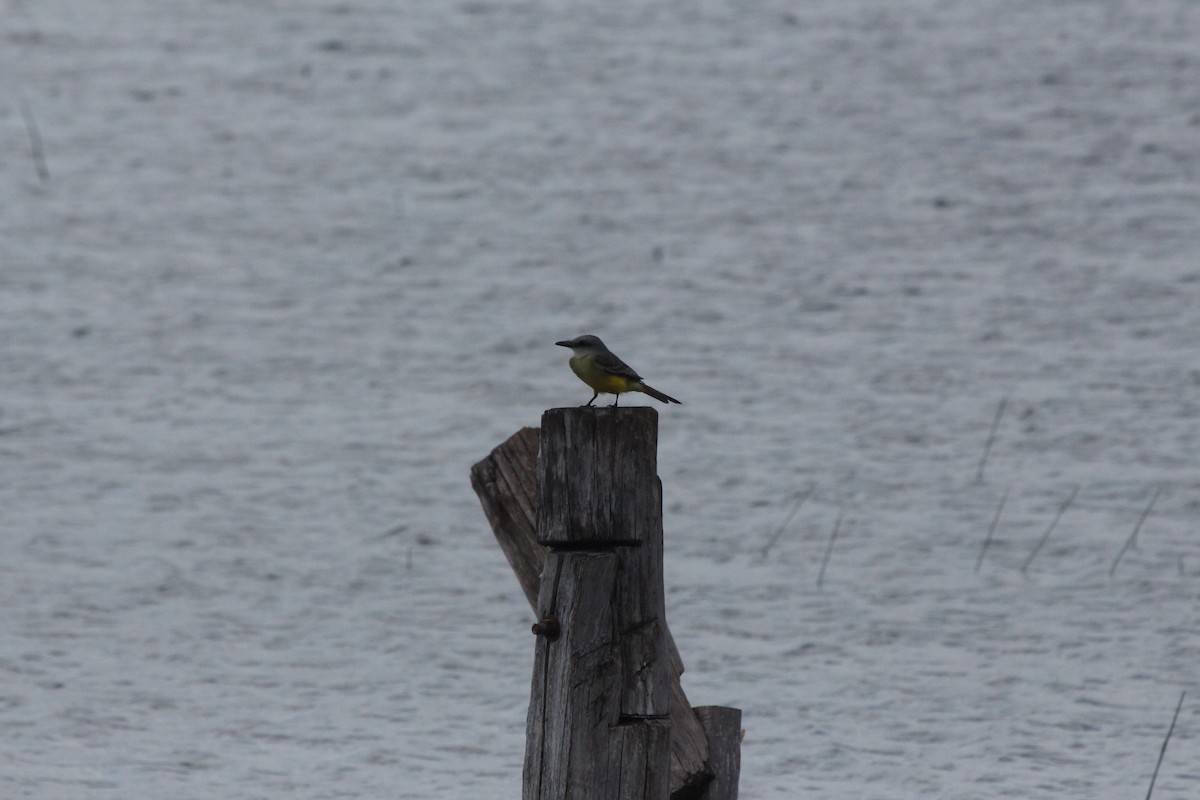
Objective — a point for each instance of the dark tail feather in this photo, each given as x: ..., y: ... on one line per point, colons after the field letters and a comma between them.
x: 659, y: 396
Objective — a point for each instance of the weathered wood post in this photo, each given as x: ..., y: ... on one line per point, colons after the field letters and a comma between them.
x: 507, y: 482
x: 598, y: 722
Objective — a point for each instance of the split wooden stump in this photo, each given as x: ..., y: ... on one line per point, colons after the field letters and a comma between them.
x: 577, y: 510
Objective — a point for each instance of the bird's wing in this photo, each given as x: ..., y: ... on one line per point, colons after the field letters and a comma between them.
x: 615, y: 366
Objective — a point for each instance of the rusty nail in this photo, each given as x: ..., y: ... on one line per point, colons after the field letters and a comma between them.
x: 548, y: 627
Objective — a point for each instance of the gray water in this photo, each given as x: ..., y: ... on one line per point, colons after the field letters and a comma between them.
x: 297, y: 265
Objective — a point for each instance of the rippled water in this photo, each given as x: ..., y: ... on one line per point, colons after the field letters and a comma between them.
x: 298, y: 265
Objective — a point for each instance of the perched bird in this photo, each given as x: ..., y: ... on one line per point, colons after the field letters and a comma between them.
x: 600, y: 369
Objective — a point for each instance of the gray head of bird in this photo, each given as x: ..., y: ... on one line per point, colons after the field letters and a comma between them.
x: 584, y: 342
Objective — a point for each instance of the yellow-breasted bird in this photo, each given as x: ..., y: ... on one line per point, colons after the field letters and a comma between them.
x: 600, y: 369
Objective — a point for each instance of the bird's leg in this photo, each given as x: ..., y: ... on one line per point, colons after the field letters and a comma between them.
x: 616, y: 399
x: 589, y: 402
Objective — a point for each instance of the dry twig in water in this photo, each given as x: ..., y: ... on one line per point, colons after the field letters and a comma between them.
x: 775, y: 537
x: 987, y: 445
x: 1046, y: 536
x: 1133, y: 536
x: 987, y: 540
x: 837, y: 526
x: 36, y: 149
x: 1166, y: 740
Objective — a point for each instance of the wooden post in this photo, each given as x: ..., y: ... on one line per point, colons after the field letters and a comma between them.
x: 507, y: 482
x: 598, y: 715
x: 724, y: 728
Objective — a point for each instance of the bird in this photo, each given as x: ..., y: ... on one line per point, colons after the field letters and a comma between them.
x: 599, y: 368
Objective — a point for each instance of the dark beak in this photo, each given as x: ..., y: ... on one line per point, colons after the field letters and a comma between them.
x: 563, y: 344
